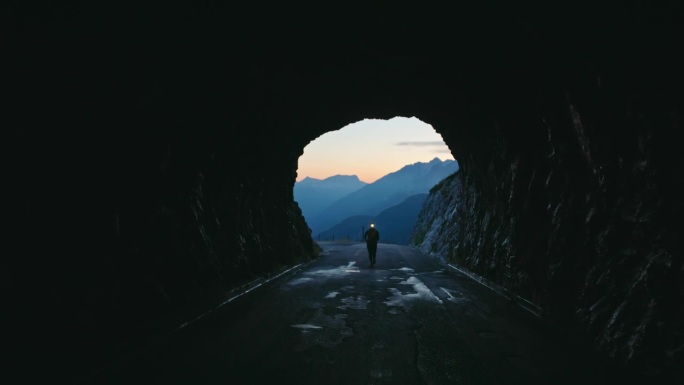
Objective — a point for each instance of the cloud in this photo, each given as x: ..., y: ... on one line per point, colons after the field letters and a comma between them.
x: 421, y: 143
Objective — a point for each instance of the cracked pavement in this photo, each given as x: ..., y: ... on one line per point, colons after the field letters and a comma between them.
x: 408, y: 320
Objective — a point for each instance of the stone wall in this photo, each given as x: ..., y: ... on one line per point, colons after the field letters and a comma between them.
x: 582, y: 223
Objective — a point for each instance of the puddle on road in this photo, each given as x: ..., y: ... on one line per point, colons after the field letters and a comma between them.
x: 305, y: 327
x: 405, y: 269
x: 338, y: 271
x: 422, y: 293
x: 300, y: 281
x: 455, y: 296
x: 358, y: 303
x: 323, y: 330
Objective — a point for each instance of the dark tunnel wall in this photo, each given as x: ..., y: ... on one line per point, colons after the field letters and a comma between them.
x: 152, y: 149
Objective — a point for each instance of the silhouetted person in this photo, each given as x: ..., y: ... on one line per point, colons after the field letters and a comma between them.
x: 372, y: 236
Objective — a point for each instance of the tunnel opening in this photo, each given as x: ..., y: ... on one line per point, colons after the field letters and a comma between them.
x: 373, y: 170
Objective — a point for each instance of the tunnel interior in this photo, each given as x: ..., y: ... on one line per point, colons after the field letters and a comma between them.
x: 152, y: 151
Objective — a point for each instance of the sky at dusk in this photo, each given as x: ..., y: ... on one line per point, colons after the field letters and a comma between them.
x: 371, y: 149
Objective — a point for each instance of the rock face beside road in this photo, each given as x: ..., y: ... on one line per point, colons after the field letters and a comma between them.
x: 437, y: 226
x: 551, y: 233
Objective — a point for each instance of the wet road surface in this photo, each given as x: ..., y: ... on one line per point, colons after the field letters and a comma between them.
x: 408, y: 320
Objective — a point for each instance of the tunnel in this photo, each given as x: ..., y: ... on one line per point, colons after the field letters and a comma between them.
x: 151, y: 151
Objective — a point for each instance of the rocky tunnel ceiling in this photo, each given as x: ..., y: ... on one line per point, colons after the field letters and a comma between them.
x: 151, y: 152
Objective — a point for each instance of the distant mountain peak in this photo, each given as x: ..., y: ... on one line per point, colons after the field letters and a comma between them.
x: 334, y: 178
x: 314, y: 195
x: 435, y: 160
x: 342, y: 177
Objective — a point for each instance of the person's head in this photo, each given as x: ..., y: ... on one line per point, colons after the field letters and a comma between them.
x: 372, y: 225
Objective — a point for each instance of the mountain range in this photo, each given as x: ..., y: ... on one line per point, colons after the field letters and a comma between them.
x: 314, y: 195
x: 395, y: 223
x: 342, y: 204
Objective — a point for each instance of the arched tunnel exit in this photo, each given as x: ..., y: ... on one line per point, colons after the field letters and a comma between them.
x: 368, y: 171
x: 152, y: 151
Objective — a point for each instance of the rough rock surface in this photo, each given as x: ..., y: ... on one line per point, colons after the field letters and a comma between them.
x: 151, y: 151
x: 436, y: 229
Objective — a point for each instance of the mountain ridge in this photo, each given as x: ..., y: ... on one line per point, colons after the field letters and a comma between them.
x: 387, y: 191
x: 394, y: 223
x: 313, y: 195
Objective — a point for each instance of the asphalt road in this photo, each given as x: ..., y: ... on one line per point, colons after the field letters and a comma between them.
x: 408, y: 320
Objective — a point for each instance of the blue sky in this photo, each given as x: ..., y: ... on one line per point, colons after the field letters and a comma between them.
x: 371, y: 149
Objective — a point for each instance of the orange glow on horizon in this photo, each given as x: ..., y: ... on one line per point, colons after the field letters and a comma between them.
x: 371, y: 149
